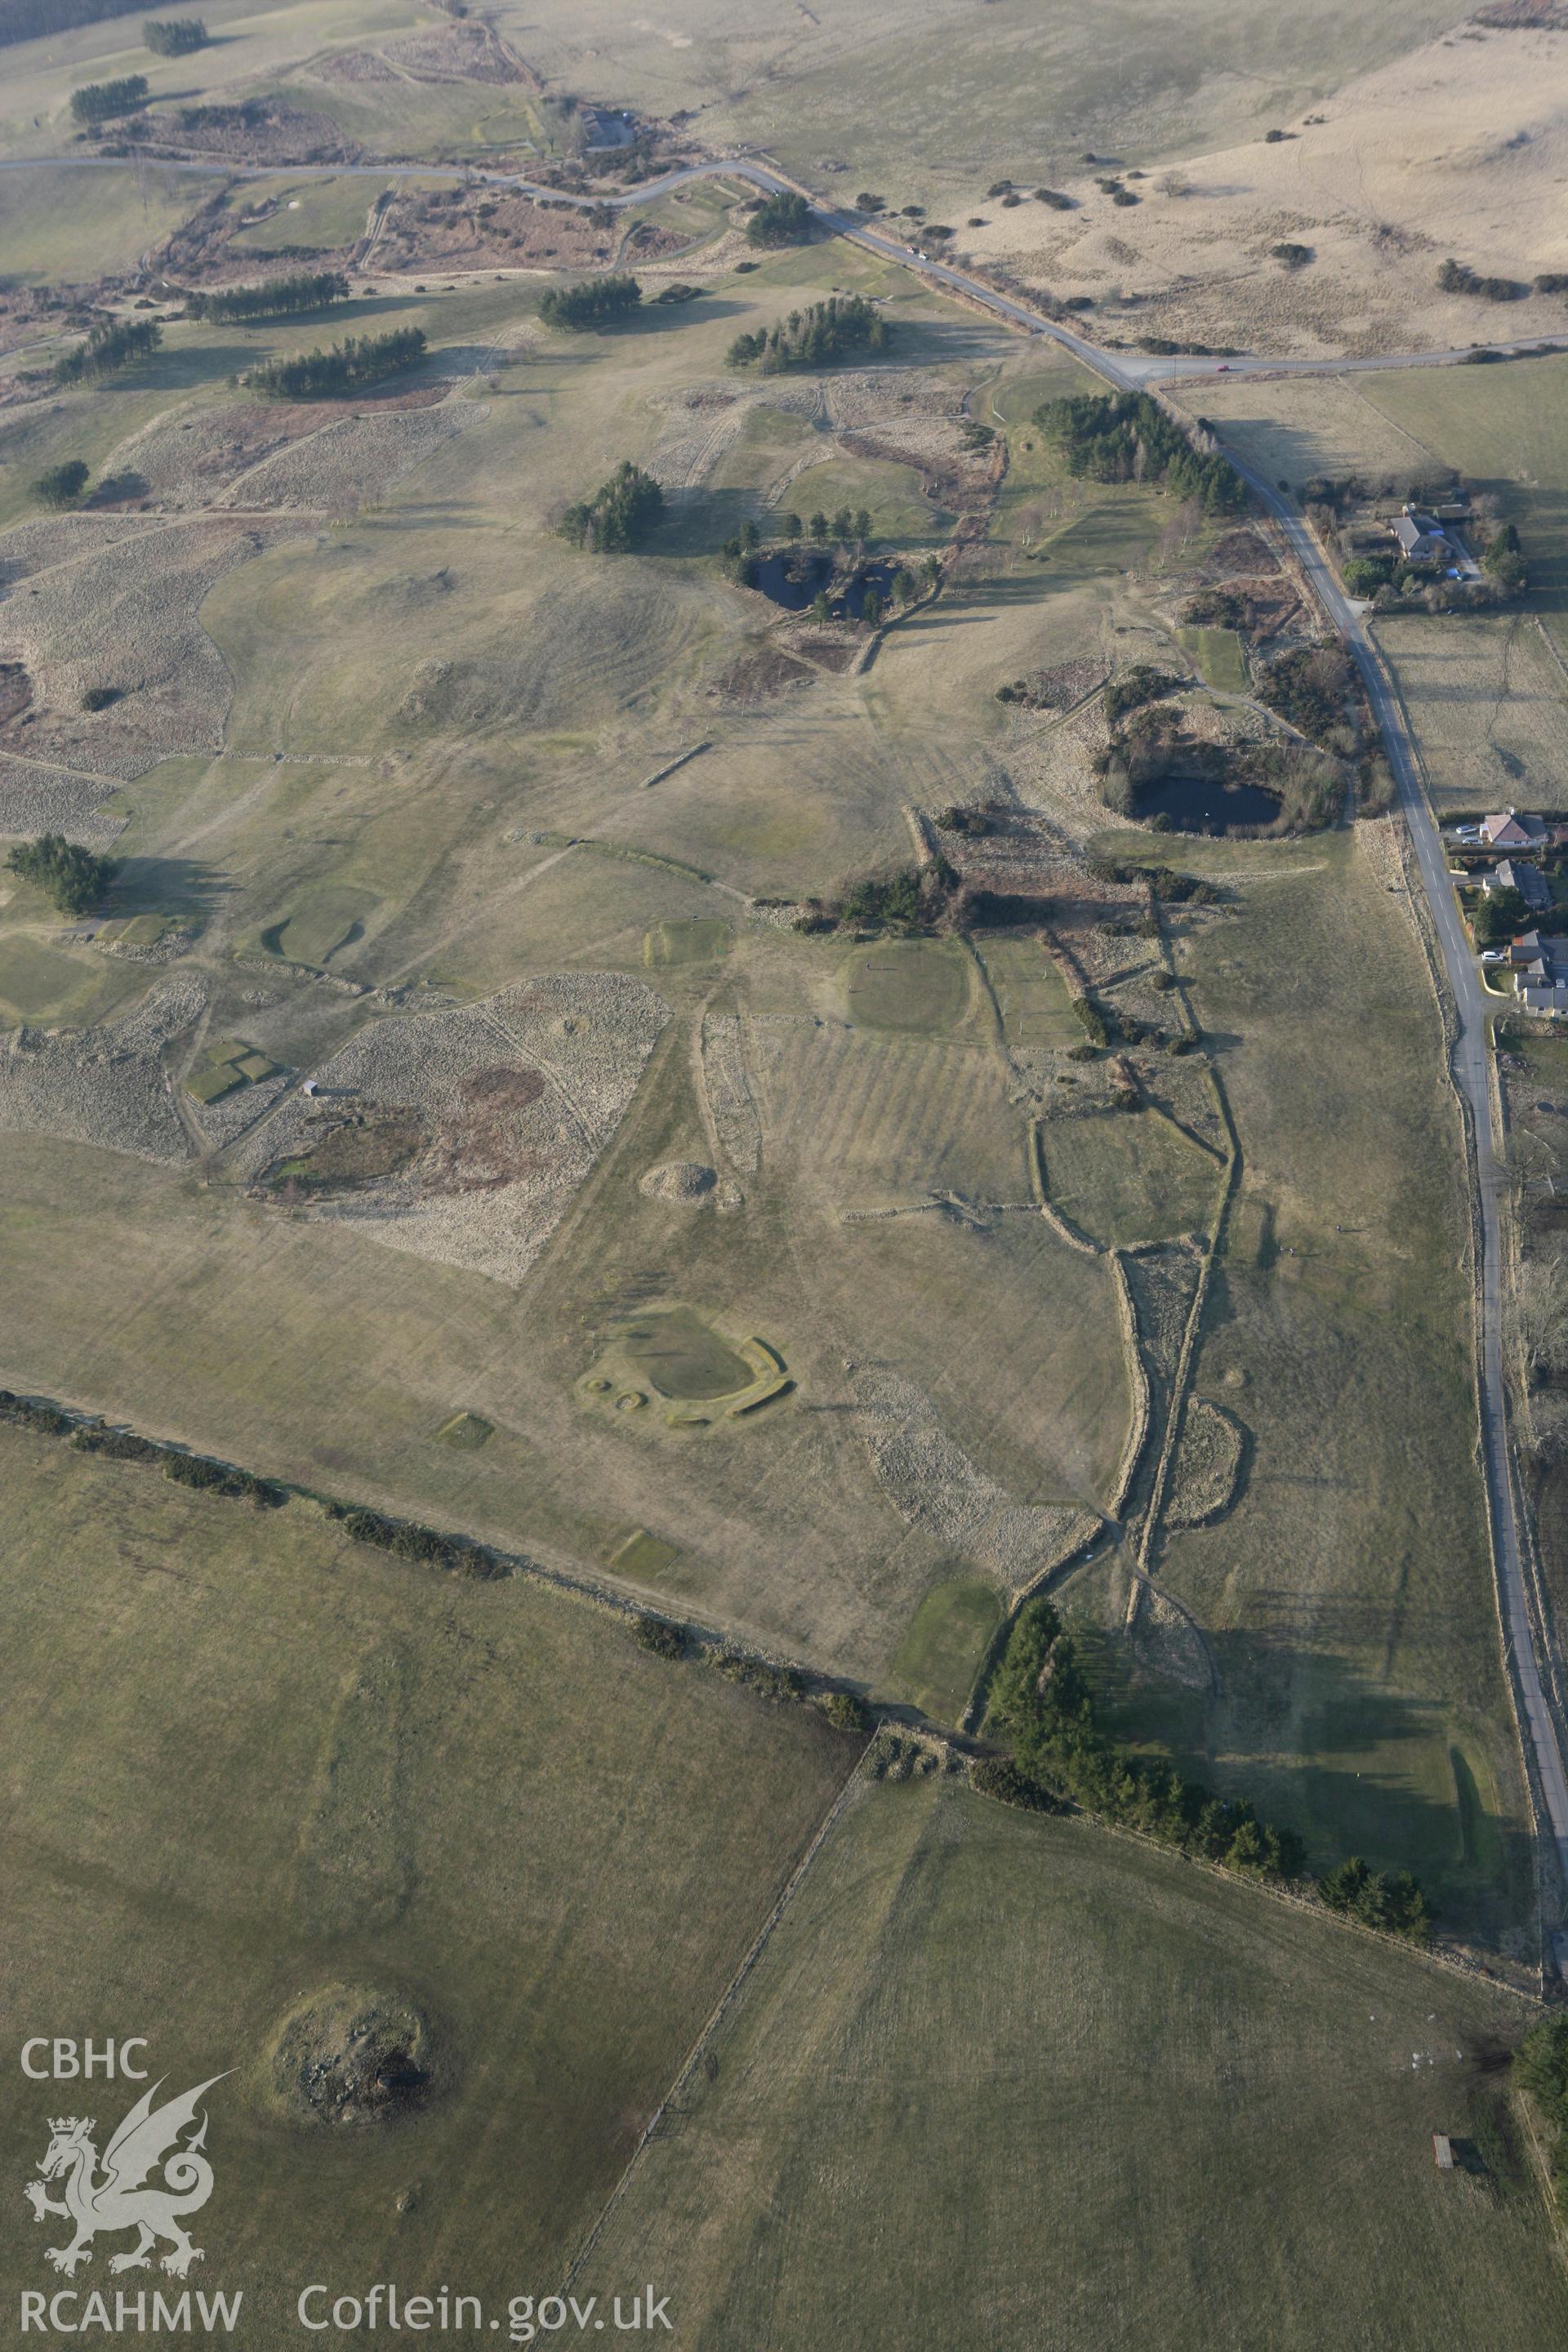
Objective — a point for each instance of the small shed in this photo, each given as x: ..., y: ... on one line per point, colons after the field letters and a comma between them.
x: 1442, y: 2151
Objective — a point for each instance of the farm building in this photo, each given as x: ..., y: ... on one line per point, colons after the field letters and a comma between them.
x: 1442, y: 2151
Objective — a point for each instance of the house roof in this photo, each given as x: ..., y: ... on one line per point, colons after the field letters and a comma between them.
x: 1518, y: 874
x: 1418, y: 534
x: 1506, y: 829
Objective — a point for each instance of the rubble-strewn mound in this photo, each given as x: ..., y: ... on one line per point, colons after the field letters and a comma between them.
x: 685, y: 1180
x: 349, y: 2056
x: 1210, y: 1462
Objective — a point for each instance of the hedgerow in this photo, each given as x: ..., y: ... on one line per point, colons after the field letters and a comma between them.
x: 1541, y: 2068
x: 1042, y: 1703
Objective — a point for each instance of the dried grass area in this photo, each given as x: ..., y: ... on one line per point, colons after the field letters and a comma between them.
x: 1185, y: 1087
x: 1208, y: 1465
x: 106, y: 1084
x: 36, y: 546
x: 727, y: 1093
x: 224, y: 1121
x: 355, y: 459
x: 514, y: 1099
x: 1163, y: 1279
x: 932, y: 1484
x: 184, y: 463
x: 702, y: 422
x: 757, y: 674
x: 122, y: 613
x: 1166, y: 1642
x: 1381, y: 842
x: 905, y: 418
x: 35, y: 800
x: 465, y: 52
x: 492, y: 230
x: 1051, y: 769
x: 895, y: 416
x: 282, y: 134
x: 1459, y: 147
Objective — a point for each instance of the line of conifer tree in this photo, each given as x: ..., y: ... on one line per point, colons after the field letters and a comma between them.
x: 620, y: 514
x: 348, y: 366
x: 1126, y: 436
x: 173, y: 36
x: 594, y: 302
x: 100, y: 101
x: 276, y: 297
x: 811, y: 338
x: 112, y: 343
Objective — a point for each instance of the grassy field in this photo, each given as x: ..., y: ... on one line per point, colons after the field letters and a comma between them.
x: 932, y: 103
x: 40, y: 981
x: 855, y: 87
x: 1292, y: 428
x: 1504, y: 428
x: 1500, y: 427
x: 267, y: 1760
x: 1161, y: 2109
x: 1128, y: 1180
x: 1487, y: 699
x: 1031, y: 994
x: 1347, y: 1599
x: 911, y: 985
x: 254, y: 42
x: 72, y: 227
x: 435, y: 699
x: 456, y: 697
x: 1219, y: 656
x: 324, y: 213
x: 943, y: 1650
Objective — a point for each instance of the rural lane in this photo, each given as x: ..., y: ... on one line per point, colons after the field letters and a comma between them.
x: 1131, y: 371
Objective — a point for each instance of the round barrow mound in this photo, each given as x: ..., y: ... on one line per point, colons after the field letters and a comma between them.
x: 352, y: 2054
x: 679, y: 1180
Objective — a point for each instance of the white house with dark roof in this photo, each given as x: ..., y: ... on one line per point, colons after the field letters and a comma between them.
x: 1508, y: 830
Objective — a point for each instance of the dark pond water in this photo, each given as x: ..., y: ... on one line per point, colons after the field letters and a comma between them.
x: 1203, y: 804
x: 792, y: 577
x: 879, y: 576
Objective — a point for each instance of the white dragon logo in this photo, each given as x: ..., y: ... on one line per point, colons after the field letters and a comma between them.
x: 147, y: 2138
